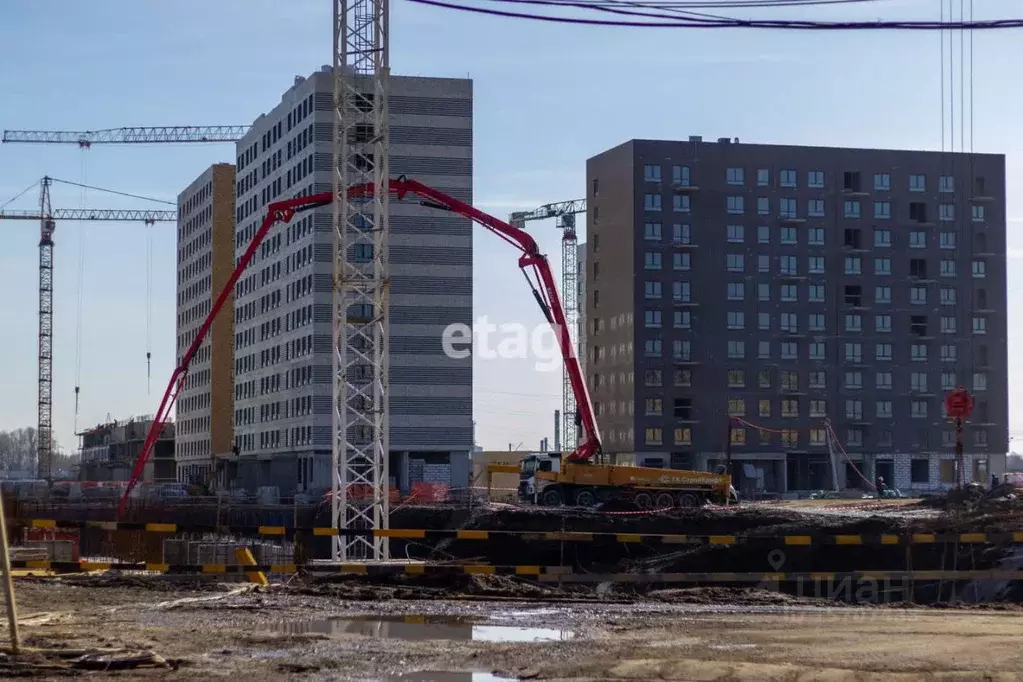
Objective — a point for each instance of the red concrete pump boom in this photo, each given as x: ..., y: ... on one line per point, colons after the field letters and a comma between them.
x: 542, y: 284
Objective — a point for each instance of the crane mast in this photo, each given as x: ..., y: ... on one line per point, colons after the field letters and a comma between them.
x: 48, y: 217
x: 360, y: 377
x: 564, y: 212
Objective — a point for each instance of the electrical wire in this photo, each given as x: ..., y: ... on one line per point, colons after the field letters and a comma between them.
x: 692, y: 21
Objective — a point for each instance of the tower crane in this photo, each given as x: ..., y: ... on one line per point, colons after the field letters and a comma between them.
x: 132, y: 135
x: 48, y: 217
x: 565, y: 213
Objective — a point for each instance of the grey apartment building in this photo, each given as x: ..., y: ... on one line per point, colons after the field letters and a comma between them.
x: 283, y: 306
x: 801, y: 291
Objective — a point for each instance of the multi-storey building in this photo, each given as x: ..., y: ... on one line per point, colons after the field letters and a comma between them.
x: 797, y: 290
x: 205, y: 406
x: 283, y: 309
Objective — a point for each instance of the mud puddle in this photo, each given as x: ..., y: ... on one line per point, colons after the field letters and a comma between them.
x: 424, y: 628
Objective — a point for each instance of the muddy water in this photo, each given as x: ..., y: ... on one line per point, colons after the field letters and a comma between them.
x: 424, y: 628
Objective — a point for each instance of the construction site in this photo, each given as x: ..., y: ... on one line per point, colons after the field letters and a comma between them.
x: 797, y: 499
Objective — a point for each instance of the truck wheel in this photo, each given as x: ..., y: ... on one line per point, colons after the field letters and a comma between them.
x: 688, y: 500
x: 643, y: 500
x: 586, y: 498
x: 664, y: 501
x: 551, y: 498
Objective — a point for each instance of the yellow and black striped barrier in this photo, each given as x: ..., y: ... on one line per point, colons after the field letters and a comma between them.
x: 555, y: 536
x: 541, y: 573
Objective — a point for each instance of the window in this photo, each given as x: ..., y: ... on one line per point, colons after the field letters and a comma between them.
x: 652, y: 260
x: 919, y: 470
x: 682, y: 203
x: 763, y: 177
x: 735, y: 205
x: 882, y: 238
x: 736, y: 291
x: 763, y: 234
x: 815, y: 179
x: 852, y: 209
x: 789, y: 381
x: 947, y: 268
x: 815, y: 208
x: 790, y: 323
x: 737, y: 436
x: 763, y: 206
x: 787, y: 208
x: 736, y: 378
x: 949, y: 352
x: 948, y: 324
x: 946, y: 212
x: 787, y: 265
x: 789, y: 235
x: 882, y: 210
x: 683, y: 436
x: 979, y: 268
x: 882, y: 181
x: 883, y: 351
x: 853, y: 265
x: 681, y: 350
x: 764, y: 321
x: 946, y: 184
x: 788, y: 178
x: 763, y: 291
x: 734, y: 176
x: 818, y: 380
x: 681, y: 260
x: 652, y: 232
x: 653, y: 407
x: 854, y: 409
x: 764, y: 408
x: 815, y: 236
x: 882, y: 266
x: 789, y: 350
x: 883, y: 323
x: 790, y: 407
x: 680, y: 175
x: 980, y: 325
x: 980, y: 440
x: 681, y: 291
x: 652, y: 436
x: 816, y: 293
x: 947, y: 240
x: 652, y: 202
x: 854, y: 438
x: 736, y: 350
x: 683, y: 377
x: 734, y: 262
x: 653, y: 377
x: 818, y: 408
x: 652, y: 348
x: 652, y: 319
x: 790, y: 438
x: 818, y: 436
x: 854, y: 323
x: 736, y: 319
x: 918, y: 212
x: 736, y: 234
x: 651, y: 289
x: 854, y: 352
x: 918, y: 240
x: 917, y: 183
x: 918, y: 295
x: 977, y: 213
x: 764, y: 378
x: 948, y: 296
x: 918, y: 409
x: 918, y: 352
x: 816, y: 265
x: 883, y: 380
x: 818, y: 350
x: 979, y: 381
x: 883, y: 294
x: 817, y: 323
x: 948, y: 381
x: 682, y: 319
x: 763, y: 263
x: 883, y: 409
x: 681, y: 233
x: 652, y: 173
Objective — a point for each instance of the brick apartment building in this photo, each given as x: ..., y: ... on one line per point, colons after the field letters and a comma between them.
x: 792, y: 288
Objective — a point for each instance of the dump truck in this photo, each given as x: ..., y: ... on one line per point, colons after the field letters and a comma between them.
x: 550, y: 479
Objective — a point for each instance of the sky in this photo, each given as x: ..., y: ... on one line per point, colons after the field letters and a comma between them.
x: 547, y: 97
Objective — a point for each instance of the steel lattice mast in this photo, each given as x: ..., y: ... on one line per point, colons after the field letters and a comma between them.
x: 44, y: 430
x: 360, y: 370
x: 565, y: 213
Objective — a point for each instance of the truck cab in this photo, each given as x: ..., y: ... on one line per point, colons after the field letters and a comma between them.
x: 531, y: 464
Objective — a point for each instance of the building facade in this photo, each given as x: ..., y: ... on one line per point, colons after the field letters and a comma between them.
x: 283, y: 309
x: 749, y: 301
x: 205, y: 406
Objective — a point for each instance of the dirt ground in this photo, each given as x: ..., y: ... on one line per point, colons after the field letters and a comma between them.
x: 285, y: 633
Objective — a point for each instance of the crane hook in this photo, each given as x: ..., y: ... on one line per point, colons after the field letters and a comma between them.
x: 149, y: 374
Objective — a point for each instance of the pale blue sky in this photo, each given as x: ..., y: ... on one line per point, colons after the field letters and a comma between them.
x: 547, y: 97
